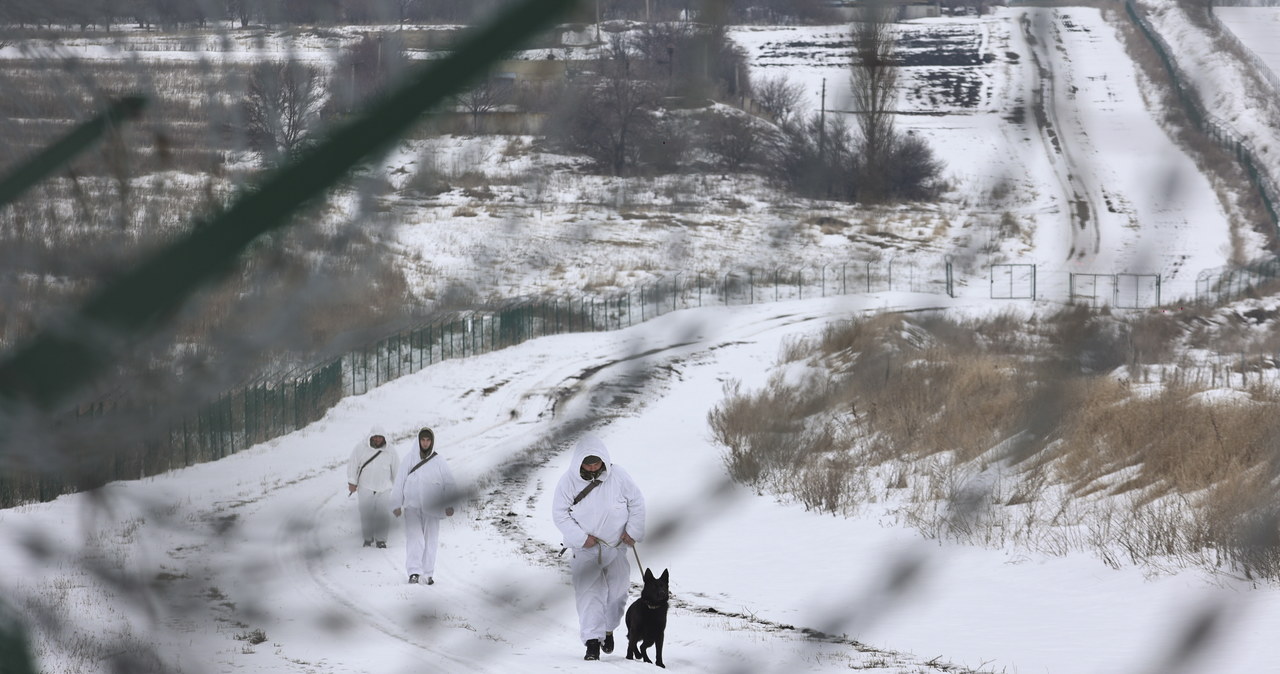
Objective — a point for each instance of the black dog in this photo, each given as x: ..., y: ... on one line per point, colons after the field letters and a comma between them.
x: 647, y: 618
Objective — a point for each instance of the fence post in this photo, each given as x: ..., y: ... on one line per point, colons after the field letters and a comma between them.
x: 951, y: 287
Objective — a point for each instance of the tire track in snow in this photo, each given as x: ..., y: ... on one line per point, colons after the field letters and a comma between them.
x: 503, y: 503
x: 581, y: 397
x: 1037, y: 23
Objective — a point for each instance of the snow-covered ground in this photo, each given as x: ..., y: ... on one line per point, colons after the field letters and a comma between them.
x: 267, y: 542
x: 1258, y: 28
x: 749, y: 575
x: 1233, y: 99
x: 1052, y: 156
x: 1038, y: 116
x: 201, y: 562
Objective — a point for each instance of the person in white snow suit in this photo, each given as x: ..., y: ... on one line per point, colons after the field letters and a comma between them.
x: 371, y: 474
x: 599, y: 510
x: 425, y: 493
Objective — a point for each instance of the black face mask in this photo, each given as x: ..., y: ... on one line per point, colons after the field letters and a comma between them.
x: 590, y: 474
x: 375, y: 443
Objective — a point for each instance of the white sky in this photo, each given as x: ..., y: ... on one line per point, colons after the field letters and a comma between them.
x: 292, y: 566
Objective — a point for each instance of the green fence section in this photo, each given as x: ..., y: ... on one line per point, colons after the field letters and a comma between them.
x: 48, y: 372
x: 1220, y: 285
x: 275, y: 406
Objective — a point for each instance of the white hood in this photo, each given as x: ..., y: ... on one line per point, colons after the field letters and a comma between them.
x: 588, y: 445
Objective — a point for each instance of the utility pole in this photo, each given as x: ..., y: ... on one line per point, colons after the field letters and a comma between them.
x: 822, y: 122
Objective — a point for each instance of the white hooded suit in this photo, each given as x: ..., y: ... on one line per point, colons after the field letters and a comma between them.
x: 601, y: 574
x: 423, y: 496
x: 373, y: 472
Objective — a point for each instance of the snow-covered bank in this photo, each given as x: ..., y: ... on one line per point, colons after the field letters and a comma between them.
x: 748, y: 573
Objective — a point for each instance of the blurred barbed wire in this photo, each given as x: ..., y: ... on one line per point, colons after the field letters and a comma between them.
x: 136, y: 314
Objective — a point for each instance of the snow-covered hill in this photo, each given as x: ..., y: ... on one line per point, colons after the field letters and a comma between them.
x: 253, y: 563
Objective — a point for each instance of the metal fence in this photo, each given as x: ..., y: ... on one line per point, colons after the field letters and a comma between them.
x: 274, y: 406
x: 1260, y: 66
x: 1219, y: 285
x: 1220, y: 131
x: 1013, y: 281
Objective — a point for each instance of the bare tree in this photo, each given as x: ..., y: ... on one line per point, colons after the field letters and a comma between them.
x: 814, y: 156
x: 731, y: 135
x: 281, y: 106
x: 240, y: 10
x: 874, y: 82
x: 613, y: 113
x: 913, y: 171
x: 405, y: 9
x: 485, y: 97
x: 364, y: 70
x: 694, y: 59
x: 779, y: 96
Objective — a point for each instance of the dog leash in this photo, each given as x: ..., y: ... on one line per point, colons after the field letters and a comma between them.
x: 600, y: 553
x: 600, y: 545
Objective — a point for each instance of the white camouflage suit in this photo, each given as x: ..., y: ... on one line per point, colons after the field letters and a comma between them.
x: 601, y: 574
x: 374, y: 480
x: 424, y: 496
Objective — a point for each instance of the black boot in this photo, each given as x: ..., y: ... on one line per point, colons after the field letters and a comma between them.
x: 382, y: 544
x: 607, y: 646
x: 593, y: 650
x: 413, y: 578
x: 368, y: 542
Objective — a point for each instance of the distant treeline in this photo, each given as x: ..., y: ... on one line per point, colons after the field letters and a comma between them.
x: 167, y: 14
x: 1246, y: 3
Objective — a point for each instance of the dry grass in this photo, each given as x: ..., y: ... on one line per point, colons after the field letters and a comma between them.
x: 1006, y: 430
x: 1176, y: 442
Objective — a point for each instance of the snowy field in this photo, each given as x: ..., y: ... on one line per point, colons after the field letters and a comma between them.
x: 1050, y: 152
x: 253, y: 563
x: 1052, y: 155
